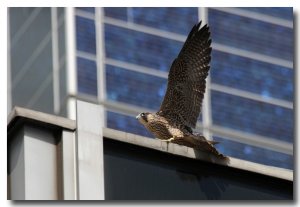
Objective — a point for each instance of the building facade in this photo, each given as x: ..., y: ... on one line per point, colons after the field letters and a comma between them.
x: 55, y: 158
x: 120, y: 57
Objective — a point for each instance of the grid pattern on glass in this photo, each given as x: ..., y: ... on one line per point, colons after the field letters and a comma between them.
x: 140, y: 48
x: 126, y: 123
x: 134, y: 88
x: 153, y: 49
x: 166, y: 18
x: 254, y: 154
x: 250, y: 34
x: 265, y: 79
x: 280, y: 12
x: 87, y: 9
x: 252, y: 116
x: 116, y: 12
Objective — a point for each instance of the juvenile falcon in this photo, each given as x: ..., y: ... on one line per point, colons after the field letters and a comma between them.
x: 181, y: 106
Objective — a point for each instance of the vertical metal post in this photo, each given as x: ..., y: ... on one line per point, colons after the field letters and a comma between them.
x: 89, y: 138
x: 55, y: 59
x: 100, y: 55
x: 206, y: 111
x: 71, y: 62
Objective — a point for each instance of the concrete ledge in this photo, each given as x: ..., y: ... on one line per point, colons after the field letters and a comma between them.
x: 153, y: 144
x: 195, y: 154
x: 41, y: 117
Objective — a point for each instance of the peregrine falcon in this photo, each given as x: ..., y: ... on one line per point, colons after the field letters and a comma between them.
x: 181, y: 106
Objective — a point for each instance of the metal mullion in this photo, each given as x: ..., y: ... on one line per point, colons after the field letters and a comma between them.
x: 100, y: 57
x: 55, y: 60
x: 70, y: 32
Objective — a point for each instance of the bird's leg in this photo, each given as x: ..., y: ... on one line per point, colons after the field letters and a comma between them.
x: 169, y: 140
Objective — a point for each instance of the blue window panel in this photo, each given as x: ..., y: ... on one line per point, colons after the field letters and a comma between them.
x: 87, y: 9
x: 87, y: 76
x: 116, y: 12
x: 140, y: 48
x: 250, y: 34
x: 85, y: 35
x: 252, y: 116
x: 254, y: 154
x: 134, y: 88
x: 126, y: 123
x: 178, y: 20
x: 265, y: 79
x: 280, y: 12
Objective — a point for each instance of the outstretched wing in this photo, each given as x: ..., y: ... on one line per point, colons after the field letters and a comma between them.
x: 186, y: 81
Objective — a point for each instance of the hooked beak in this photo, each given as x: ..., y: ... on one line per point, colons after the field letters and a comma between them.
x: 138, y: 116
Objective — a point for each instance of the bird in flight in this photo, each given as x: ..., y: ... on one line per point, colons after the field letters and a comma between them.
x: 181, y: 106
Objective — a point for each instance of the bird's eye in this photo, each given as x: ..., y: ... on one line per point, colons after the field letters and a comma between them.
x: 142, y: 114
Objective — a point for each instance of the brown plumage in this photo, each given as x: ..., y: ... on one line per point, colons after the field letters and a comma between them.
x: 182, y: 103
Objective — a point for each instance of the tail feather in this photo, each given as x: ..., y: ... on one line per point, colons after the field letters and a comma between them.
x: 213, y: 142
x: 199, y: 142
x: 199, y: 136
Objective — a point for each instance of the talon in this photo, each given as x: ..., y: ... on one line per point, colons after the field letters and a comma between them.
x: 168, y: 140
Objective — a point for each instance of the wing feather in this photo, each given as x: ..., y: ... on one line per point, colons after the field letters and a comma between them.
x: 186, y: 80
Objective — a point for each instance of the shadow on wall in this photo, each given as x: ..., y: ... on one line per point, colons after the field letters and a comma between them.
x: 211, y: 186
x: 211, y: 158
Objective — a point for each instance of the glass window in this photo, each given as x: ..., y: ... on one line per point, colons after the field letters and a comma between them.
x: 85, y: 35
x: 44, y: 98
x: 87, y: 76
x: 134, y: 88
x: 140, y: 48
x: 254, y: 154
x: 178, y: 20
x: 252, y: 116
x: 18, y: 15
x: 35, y: 82
x: 280, y: 12
x: 126, y: 123
x: 265, y: 79
x: 87, y: 9
x: 27, y: 47
x: 116, y: 12
x: 169, y: 177
x: 250, y: 34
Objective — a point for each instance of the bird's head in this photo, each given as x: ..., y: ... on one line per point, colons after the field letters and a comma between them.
x: 144, y: 117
